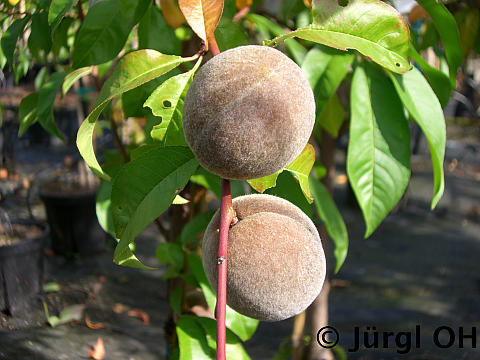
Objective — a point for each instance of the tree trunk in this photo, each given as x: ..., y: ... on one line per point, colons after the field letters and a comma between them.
x: 318, y: 311
x: 180, y: 215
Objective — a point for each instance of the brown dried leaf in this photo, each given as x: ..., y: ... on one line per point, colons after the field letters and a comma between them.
x: 417, y: 13
x: 93, y: 326
x: 26, y: 183
x: 202, y: 16
x: 97, y: 352
x: 140, y: 314
x: 172, y: 14
x: 240, y: 4
x: 48, y: 252
x: 119, y: 308
x: 199, y: 310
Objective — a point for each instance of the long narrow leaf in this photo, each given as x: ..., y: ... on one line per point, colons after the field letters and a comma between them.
x: 421, y: 102
x: 331, y: 217
x: 378, y: 158
x: 447, y: 28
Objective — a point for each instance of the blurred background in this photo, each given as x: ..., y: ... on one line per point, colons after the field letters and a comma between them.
x: 420, y: 267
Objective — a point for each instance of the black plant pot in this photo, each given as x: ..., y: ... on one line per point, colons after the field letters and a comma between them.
x: 21, y: 273
x: 73, y: 221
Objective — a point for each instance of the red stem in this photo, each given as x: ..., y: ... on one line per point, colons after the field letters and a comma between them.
x: 226, y: 217
x: 213, y: 46
x: 236, y: 18
x: 81, y: 15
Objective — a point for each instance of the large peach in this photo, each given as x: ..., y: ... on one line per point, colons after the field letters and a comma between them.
x: 248, y: 113
x: 275, y: 262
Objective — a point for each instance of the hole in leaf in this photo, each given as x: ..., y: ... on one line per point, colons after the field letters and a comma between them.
x: 343, y: 2
x: 397, y: 64
x: 166, y: 104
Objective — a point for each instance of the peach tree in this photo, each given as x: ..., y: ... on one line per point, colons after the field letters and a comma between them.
x: 143, y: 55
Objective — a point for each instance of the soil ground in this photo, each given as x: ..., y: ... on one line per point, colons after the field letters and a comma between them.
x: 420, y: 267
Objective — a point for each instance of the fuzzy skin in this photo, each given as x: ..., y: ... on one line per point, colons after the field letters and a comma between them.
x: 275, y: 263
x: 248, y: 113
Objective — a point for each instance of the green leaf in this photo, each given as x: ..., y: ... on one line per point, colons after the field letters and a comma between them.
x: 27, y: 113
x: 175, y: 300
x: 21, y: 69
x: 447, y: 28
x: 229, y: 34
x: 10, y: 37
x: 103, y: 207
x: 212, y: 182
x: 167, y: 103
x: 68, y: 314
x: 57, y: 10
x: 243, y: 326
x: 439, y: 82
x: 61, y: 36
x: 233, y: 348
x: 429, y: 37
x: 296, y: 50
x: 3, y: 59
x: 195, y: 226
x: 40, y: 38
x: 332, y: 117
x: 421, y: 102
x: 331, y: 217
x: 372, y: 27
x: 468, y: 21
x: 339, y: 353
x: 264, y: 183
x: 319, y: 170
x: 325, y: 69
x: 144, y: 188
x: 105, y: 30
x: 40, y: 78
x: 151, y: 25
x: 133, y: 100
x: 208, y: 180
x: 291, y: 8
x: 287, y: 188
x: 46, y: 99
x: 74, y: 76
x: 378, y: 158
x: 192, y: 341
x: 133, y: 70
x: 51, y: 287
x: 170, y: 253
x: 301, y: 167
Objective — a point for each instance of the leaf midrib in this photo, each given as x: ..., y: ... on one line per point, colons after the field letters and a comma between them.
x: 126, y: 87
x: 355, y: 36
x: 371, y: 121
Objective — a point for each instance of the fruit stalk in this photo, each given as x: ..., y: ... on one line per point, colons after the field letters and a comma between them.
x: 226, y: 217
x: 212, y: 46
